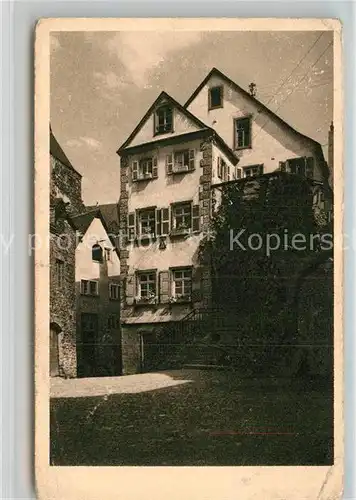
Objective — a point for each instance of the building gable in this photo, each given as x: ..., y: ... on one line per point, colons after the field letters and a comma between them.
x: 271, y: 138
x: 165, y: 119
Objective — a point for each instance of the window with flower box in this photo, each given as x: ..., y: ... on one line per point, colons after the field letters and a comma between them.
x: 180, y: 161
x: 181, y: 285
x: 181, y: 218
x: 146, y: 287
x: 147, y: 222
x: 145, y: 169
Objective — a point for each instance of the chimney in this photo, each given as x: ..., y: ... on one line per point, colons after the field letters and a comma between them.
x: 331, y: 152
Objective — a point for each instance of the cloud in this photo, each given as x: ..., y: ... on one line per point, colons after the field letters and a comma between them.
x: 110, y: 80
x: 142, y: 51
x: 89, y: 142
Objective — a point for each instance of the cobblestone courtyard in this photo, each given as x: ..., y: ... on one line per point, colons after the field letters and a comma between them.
x: 190, y: 417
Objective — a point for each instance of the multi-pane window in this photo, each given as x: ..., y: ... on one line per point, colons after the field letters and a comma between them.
x: 114, y: 291
x: 223, y: 170
x: 242, y: 133
x: 146, y: 285
x: 164, y: 120
x: 180, y: 161
x: 253, y: 170
x: 60, y: 272
x: 107, y: 254
x: 215, y: 97
x: 182, y: 216
x: 147, y: 222
x: 89, y: 287
x: 182, y: 284
x: 146, y: 167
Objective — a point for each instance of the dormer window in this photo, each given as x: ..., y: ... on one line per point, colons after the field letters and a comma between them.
x: 97, y: 253
x: 216, y: 97
x: 164, y: 120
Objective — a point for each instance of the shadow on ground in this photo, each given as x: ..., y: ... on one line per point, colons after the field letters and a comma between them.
x: 215, y: 418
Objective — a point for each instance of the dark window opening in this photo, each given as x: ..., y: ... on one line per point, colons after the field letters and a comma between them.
x: 97, y: 253
x: 215, y: 97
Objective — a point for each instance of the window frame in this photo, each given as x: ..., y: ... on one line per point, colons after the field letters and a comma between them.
x: 144, y: 163
x: 259, y: 166
x: 156, y: 125
x: 152, y: 296
x: 183, y: 297
x: 301, y: 159
x: 221, y: 105
x: 88, y: 285
x: 115, y: 286
x: 174, y: 207
x: 236, y: 120
x: 139, y: 213
x: 97, y: 246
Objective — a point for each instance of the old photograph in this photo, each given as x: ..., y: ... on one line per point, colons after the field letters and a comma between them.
x: 191, y: 258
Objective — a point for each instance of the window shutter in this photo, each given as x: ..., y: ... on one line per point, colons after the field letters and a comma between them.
x: 282, y: 166
x: 165, y: 221
x: 196, y: 284
x: 164, y: 287
x: 228, y: 172
x: 134, y: 170
x: 155, y: 168
x: 130, y: 289
x: 309, y: 167
x: 219, y: 168
x: 261, y: 169
x: 169, y: 163
x: 158, y: 222
x: 191, y: 159
x: 195, y: 218
x: 131, y: 226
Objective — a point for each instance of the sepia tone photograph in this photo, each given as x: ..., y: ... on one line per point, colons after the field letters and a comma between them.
x: 191, y: 251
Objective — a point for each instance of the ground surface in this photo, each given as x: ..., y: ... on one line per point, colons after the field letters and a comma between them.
x: 190, y: 417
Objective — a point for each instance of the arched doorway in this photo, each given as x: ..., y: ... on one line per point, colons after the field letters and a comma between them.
x: 55, y: 330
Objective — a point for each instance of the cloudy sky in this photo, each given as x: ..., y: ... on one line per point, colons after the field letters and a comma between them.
x: 102, y: 83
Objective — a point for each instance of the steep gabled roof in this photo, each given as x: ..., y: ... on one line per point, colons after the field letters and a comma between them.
x: 248, y: 96
x: 110, y: 213
x: 57, y: 152
x: 190, y: 115
x: 83, y: 221
x: 163, y: 95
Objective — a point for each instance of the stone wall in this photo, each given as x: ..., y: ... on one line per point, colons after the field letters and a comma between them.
x: 62, y: 297
x: 67, y: 184
x: 131, y: 349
